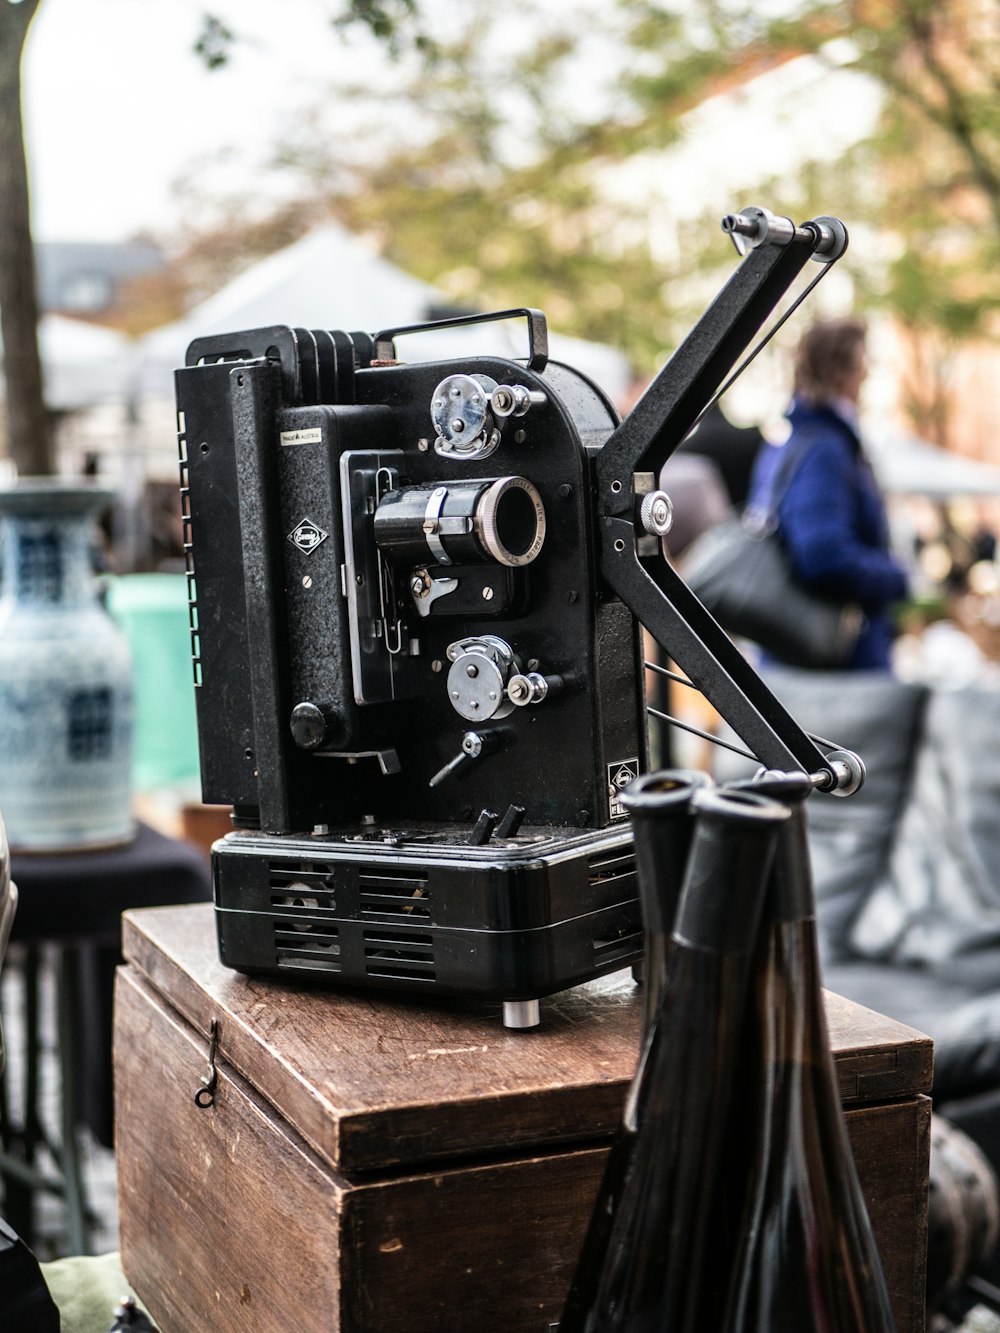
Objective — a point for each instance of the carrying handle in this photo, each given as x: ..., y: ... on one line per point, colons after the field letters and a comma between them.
x: 538, y: 333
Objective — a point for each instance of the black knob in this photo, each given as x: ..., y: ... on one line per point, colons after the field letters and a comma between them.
x: 314, y: 726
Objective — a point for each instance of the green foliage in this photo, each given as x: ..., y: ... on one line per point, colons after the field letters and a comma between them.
x: 394, y: 23
x: 491, y: 246
x: 215, y: 41
x: 390, y: 21
x: 497, y: 187
x: 924, y: 190
x: 489, y: 189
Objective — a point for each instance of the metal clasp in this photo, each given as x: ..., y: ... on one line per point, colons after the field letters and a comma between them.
x: 205, y: 1096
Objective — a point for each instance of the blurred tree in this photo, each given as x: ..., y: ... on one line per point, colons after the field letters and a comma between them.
x: 928, y: 180
x: 205, y: 260
x: 30, y: 438
x: 491, y: 176
x: 28, y: 427
x: 395, y: 23
x: 500, y: 205
x: 492, y: 186
x: 473, y: 168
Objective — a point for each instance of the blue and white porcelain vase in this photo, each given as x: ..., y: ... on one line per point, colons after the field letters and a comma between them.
x: 65, y: 676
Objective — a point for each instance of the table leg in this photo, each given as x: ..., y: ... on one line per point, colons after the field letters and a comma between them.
x: 77, y: 1224
x: 21, y: 1140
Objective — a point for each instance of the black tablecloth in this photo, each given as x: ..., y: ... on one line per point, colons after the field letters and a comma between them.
x: 77, y: 898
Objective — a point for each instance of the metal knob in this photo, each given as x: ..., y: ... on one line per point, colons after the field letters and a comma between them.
x: 532, y: 687
x: 315, y: 725
x: 514, y: 400
x: 656, y: 513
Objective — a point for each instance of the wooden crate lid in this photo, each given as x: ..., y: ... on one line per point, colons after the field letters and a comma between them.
x: 373, y: 1080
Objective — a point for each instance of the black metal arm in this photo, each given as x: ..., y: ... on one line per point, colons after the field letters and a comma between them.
x: 647, y: 583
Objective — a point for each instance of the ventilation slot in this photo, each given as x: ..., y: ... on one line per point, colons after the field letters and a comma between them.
x: 393, y: 895
x: 285, y: 873
x: 611, y: 879
x: 396, y: 953
x: 617, y: 949
x: 312, y: 945
x: 301, y: 897
x: 298, y: 888
x: 610, y: 867
x: 185, y: 495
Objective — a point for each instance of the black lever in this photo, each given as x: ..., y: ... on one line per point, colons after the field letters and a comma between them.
x: 475, y: 745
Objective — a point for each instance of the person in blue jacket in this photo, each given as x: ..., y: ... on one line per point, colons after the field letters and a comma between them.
x: 831, y: 518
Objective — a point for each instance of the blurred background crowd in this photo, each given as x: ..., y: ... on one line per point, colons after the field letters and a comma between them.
x: 360, y: 165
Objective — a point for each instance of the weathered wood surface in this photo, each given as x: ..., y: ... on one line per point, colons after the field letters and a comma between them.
x: 356, y: 1072
x: 229, y: 1220
x: 226, y: 1222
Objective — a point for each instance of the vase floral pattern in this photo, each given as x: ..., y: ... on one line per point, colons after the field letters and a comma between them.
x: 65, y: 676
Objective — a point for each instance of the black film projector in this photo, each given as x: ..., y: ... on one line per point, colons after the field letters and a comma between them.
x: 416, y: 593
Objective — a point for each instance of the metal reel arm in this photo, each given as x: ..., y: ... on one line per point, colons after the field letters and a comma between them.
x: 660, y: 599
x: 628, y: 466
x: 675, y: 399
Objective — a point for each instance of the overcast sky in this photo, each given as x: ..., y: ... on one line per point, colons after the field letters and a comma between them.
x: 118, y: 106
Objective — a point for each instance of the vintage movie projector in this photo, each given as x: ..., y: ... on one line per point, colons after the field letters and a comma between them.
x: 416, y: 592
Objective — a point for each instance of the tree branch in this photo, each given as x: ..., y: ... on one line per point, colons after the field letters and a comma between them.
x: 955, y: 116
x: 29, y: 435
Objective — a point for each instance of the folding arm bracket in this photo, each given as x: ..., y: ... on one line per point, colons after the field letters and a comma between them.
x: 667, y: 411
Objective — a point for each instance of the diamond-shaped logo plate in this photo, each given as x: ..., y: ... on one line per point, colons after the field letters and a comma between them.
x: 619, y: 776
x: 307, y: 535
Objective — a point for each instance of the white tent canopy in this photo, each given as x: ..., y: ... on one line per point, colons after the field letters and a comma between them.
x: 83, y: 364
x: 332, y: 280
x: 906, y: 465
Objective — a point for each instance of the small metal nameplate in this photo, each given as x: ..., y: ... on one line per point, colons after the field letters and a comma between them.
x: 312, y: 435
x: 307, y: 536
x: 619, y: 777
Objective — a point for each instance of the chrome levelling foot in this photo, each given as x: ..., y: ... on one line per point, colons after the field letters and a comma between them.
x: 521, y: 1013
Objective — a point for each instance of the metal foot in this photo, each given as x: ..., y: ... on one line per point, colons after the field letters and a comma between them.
x: 521, y: 1013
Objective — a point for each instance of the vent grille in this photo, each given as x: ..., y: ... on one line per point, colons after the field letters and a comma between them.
x: 398, y: 953
x: 392, y: 894
x: 284, y: 873
x: 305, y: 896
x: 314, y: 945
x: 608, y: 868
x: 300, y: 892
x: 297, y: 887
x: 192, y: 591
x: 617, y: 948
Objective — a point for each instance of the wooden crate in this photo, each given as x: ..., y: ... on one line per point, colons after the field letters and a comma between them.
x: 376, y: 1163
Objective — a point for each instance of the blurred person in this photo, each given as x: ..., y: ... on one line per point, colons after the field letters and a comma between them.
x: 733, y: 449
x: 831, y: 517
x: 698, y: 495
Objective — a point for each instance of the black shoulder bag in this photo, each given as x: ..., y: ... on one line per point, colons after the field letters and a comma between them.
x: 741, y: 573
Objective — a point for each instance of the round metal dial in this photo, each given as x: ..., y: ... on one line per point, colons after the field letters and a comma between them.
x: 460, y: 411
x: 477, y: 681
